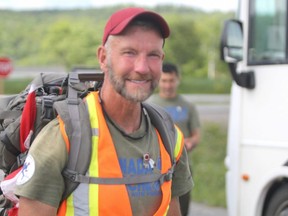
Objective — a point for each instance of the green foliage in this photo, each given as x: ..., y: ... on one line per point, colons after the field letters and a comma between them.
x: 187, y: 49
x: 191, y: 85
x: 15, y: 86
x: 70, y: 37
x: 187, y: 86
x: 208, y: 166
x: 68, y: 43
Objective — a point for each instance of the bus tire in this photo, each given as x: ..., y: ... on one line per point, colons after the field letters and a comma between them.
x: 278, y: 202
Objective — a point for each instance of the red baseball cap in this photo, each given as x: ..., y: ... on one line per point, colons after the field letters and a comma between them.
x: 120, y: 19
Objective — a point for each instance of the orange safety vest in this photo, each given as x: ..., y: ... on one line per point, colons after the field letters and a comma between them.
x: 97, y: 199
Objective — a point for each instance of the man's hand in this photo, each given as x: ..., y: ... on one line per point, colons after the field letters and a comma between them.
x: 174, y: 208
x: 192, y: 141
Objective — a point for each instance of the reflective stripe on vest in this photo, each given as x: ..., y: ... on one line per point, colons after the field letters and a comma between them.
x: 97, y: 199
x: 179, y: 144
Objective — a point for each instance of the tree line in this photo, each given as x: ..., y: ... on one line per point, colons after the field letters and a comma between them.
x: 70, y: 38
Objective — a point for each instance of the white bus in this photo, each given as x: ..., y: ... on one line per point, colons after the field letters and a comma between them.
x: 255, y: 47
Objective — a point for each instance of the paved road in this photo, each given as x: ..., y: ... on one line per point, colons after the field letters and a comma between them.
x: 214, y: 113
x: 211, y: 108
x: 198, y: 209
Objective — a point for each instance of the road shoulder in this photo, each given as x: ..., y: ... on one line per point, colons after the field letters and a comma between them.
x: 198, y: 209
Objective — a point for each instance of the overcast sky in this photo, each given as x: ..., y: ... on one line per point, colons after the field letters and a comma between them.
x: 207, y: 5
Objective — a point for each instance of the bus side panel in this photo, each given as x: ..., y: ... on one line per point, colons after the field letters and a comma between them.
x: 232, y: 155
x: 264, y: 132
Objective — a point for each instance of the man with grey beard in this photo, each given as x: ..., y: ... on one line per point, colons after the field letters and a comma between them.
x: 126, y: 144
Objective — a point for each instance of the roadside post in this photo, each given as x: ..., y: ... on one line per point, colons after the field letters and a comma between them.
x: 5, y: 69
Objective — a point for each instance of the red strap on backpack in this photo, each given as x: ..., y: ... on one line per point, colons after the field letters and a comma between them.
x: 26, y: 130
x: 13, y: 211
x: 28, y: 120
x: 7, y: 185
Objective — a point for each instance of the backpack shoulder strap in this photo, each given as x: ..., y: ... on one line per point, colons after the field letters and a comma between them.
x: 74, y: 113
x: 165, y: 126
x: 73, y: 109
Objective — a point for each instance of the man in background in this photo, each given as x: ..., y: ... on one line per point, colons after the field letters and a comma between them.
x: 183, y: 113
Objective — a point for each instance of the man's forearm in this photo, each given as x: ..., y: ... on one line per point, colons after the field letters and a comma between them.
x: 28, y: 207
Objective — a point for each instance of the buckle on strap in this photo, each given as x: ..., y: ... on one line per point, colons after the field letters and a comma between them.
x: 74, y: 176
x: 21, y: 158
x: 168, y: 175
x: 70, y: 174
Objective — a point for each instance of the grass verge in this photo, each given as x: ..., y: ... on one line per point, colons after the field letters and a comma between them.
x: 188, y: 85
x: 208, y: 166
x: 15, y: 86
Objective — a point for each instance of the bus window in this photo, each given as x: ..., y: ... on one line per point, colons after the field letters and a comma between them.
x: 267, y: 35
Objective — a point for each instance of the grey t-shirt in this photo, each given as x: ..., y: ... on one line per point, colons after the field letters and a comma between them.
x: 183, y: 113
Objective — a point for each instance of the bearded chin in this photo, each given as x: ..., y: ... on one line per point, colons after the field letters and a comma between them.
x: 138, y: 95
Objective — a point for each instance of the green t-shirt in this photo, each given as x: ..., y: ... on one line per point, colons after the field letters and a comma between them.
x: 49, y: 155
x: 183, y: 113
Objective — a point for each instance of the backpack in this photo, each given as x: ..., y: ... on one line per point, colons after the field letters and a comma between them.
x: 61, y: 94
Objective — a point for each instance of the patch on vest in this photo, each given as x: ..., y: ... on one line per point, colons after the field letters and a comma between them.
x: 27, y: 171
x: 134, y: 167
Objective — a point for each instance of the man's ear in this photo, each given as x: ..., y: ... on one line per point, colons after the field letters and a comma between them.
x: 178, y: 80
x: 163, y: 57
x: 102, y: 58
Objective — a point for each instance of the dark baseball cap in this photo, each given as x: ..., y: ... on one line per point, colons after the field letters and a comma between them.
x: 120, y: 19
